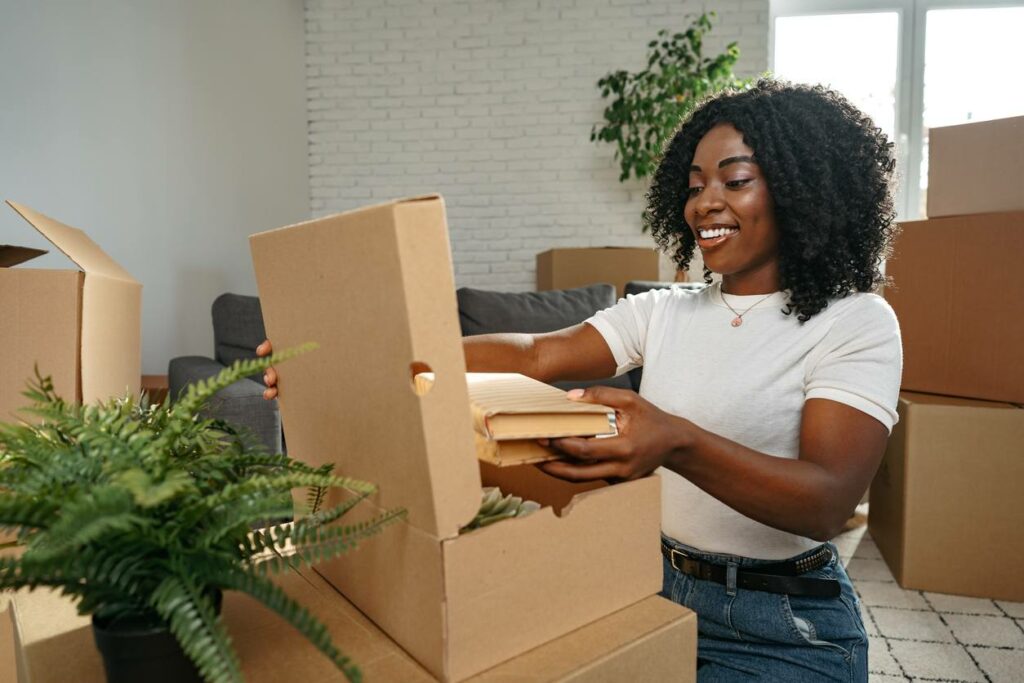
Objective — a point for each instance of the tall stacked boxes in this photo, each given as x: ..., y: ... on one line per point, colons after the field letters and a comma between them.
x: 953, y: 476
x: 374, y: 289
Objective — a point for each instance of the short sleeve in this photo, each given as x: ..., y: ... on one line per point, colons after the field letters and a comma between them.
x: 859, y: 362
x: 625, y: 326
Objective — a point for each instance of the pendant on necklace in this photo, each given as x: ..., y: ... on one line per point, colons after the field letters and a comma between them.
x: 737, y: 321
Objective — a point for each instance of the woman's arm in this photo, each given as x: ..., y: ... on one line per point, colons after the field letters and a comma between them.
x: 577, y: 352
x: 812, y: 496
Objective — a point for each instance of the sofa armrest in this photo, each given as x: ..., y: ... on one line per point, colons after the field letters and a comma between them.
x: 241, y: 405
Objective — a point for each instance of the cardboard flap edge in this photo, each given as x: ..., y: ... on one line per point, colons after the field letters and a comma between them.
x: 73, y: 243
x: 13, y: 255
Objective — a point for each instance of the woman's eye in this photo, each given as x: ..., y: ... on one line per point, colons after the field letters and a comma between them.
x: 739, y: 182
x: 691, y: 191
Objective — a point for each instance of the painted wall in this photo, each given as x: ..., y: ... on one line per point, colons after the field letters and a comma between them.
x: 169, y: 131
x: 490, y: 102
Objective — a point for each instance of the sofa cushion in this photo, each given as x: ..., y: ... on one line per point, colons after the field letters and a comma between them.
x: 484, y: 312
x: 237, y: 327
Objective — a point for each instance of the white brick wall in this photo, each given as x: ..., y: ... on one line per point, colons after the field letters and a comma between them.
x: 491, y: 103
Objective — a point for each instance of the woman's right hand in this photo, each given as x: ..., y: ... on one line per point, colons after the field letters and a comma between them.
x: 270, y: 376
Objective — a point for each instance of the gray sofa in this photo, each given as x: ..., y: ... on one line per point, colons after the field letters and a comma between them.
x: 238, y: 329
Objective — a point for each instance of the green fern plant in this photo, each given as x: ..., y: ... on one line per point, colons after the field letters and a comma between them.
x: 132, y: 508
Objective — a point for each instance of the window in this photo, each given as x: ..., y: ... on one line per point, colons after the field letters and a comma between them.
x: 909, y: 64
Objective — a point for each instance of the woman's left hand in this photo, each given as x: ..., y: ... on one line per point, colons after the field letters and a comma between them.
x: 647, y: 437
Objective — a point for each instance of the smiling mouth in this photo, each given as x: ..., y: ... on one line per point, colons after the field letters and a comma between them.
x: 714, y: 235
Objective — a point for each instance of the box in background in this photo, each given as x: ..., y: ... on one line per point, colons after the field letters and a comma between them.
x: 459, y: 604
x: 654, y: 640
x: 576, y: 267
x: 946, y: 509
x: 80, y: 327
x: 976, y: 168
x: 959, y: 296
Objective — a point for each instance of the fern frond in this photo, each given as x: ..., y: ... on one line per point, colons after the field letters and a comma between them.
x: 298, y: 528
x: 325, y: 543
x: 202, y: 391
x: 195, y: 625
x: 305, y: 623
x: 83, y: 521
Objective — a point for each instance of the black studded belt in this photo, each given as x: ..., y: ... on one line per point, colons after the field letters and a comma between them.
x: 777, y: 577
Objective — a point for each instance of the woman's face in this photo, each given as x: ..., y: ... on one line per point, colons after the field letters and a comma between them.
x: 731, y: 213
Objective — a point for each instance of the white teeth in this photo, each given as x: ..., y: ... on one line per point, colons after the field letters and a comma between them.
x: 717, y: 232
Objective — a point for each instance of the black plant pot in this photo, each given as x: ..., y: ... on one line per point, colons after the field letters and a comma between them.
x: 138, y: 648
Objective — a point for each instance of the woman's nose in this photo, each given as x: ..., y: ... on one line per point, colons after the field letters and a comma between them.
x: 708, y: 200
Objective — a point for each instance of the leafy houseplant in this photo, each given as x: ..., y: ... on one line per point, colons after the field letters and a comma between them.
x: 647, y: 106
x: 145, y: 513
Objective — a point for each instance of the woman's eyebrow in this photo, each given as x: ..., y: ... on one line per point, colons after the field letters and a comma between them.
x: 694, y: 168
x: 736, y: 160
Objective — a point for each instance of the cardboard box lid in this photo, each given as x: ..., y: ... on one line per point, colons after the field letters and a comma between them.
x: 11, y: 255
x: 111, y: 311
x: 374, y: 288
x: 74, y: 244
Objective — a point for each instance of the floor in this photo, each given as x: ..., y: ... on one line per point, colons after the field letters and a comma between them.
x: 921, y: 636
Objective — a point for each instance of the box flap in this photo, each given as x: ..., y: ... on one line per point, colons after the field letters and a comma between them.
x: 374, y: 288
x: 11, y: 255
x: 74, y: 243
x: 912, y: 398
x: 111, y: 356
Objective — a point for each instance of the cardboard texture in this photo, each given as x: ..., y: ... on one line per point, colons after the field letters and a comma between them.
x: 512, y: 453
x: 576, y: 267
x: 962, y: 336
x: 374, y: 288
x: 976, y: 168
x: 932, y: 535
x: 653, y: 640
x: 513, y: 406
x: 81, y: 327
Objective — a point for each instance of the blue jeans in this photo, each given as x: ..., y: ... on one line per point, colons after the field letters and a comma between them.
x: 755, y: 635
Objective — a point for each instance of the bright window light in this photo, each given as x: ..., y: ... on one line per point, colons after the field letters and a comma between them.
x: 855, y: 54
x: 972, y: 58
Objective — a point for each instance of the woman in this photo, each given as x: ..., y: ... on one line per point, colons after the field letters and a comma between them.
x: 768, y: 396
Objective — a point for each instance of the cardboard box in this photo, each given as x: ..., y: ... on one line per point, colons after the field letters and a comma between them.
x: 653, y: 640
x: 81, y: 327
x: 976, y: 168
x: 946, y: 508
x: 374, y: 288
x: 576, y: 267
x: 959, y: 298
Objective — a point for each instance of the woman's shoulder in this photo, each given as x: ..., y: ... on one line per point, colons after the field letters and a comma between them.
x: 674, y: 294
x: 861, y: 311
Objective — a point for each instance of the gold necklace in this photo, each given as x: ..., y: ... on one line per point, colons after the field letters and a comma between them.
x: 738, y: 320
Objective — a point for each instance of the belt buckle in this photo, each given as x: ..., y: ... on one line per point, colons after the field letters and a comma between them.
x: 672, y: 559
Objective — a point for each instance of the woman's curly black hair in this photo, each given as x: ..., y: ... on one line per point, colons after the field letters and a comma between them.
x: 828, y: 168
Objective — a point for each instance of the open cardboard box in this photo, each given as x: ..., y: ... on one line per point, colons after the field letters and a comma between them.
x: 374, y: 288
x: 80, y: 327
x: 654, y: 640
x: 949, y: 492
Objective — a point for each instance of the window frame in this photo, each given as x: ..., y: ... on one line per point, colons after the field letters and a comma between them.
x: 909, y: 116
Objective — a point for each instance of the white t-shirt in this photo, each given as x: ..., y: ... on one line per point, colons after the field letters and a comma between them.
x: 748, y: 384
